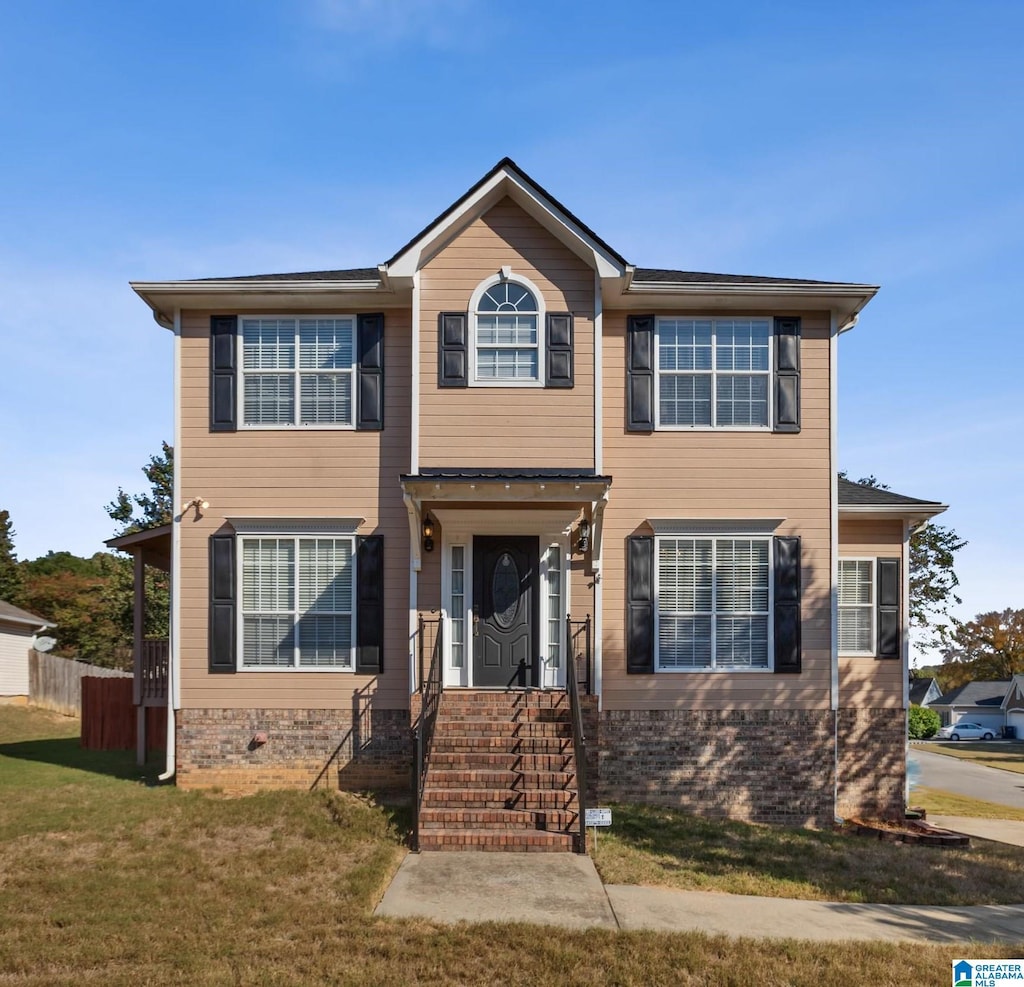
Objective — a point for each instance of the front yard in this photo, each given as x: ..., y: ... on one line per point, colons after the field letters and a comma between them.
x: 106, y: 880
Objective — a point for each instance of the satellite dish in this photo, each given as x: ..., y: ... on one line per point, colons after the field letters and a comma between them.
x: 45, y: 643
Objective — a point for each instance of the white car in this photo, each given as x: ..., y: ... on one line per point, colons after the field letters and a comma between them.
x: 966, y: 731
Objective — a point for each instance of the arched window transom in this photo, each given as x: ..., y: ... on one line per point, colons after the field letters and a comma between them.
x: 507, y: 334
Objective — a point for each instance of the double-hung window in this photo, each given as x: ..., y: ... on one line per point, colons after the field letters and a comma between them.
x: 507, y: 336
x: 713, y: 373
x: 856, y: 607
x: 298, y: 371
x: 713, y: 601
x: 297, y: 602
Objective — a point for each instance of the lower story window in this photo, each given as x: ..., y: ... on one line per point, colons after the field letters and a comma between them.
x: 713, y: 603
x: 297, y: 602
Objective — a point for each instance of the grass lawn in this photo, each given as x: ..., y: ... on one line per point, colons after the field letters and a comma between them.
x: 941, y: 803
x: 107, y: 880
x: 1008, y: 757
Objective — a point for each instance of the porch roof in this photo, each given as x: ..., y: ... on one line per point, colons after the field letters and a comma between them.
x: 153, y: 543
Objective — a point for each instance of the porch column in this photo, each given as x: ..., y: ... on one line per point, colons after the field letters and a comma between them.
x: 139, y: 615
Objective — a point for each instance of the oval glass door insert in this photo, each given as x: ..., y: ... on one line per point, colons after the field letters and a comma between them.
x: 505, y: 591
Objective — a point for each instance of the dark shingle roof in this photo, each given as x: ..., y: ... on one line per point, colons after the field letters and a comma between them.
x: 661, y: 275
x: 14, y: 613
x: 919, y: 690
x: 858, y: 495
x: 975, y: 694
x: 350, y: 274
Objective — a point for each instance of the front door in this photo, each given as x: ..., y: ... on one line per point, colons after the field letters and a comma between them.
x: 505, y: 588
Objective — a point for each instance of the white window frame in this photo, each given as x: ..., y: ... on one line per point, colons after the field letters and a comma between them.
x: 297, y: 373
x: 297, y: 613
x: 715, y: 374
x: 714, y: 538
x: 474, y: 304
x: 872, y: 607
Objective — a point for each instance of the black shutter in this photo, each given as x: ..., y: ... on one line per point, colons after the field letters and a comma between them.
x: 370, y: 603
x: 559, y: 343
x: 370, y: 394
x: 222, y: 654
x: 787, y: 374
x: 640, y: 373
x: 640, y: 605
x: 453, y: 365
x: 223, y: 366
x: 787, y: 604
x: 889, y: 622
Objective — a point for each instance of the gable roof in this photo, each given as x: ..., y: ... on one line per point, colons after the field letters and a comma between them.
x: 984, y: 694
x: 1015, y: 694
x: 919, y: 689
x: 15, y: 615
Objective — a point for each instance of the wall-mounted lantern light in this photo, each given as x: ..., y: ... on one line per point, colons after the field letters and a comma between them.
x: 428, y: 535
x: 583, y: 544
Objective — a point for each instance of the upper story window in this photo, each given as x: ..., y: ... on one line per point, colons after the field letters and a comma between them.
x: 713, y: 373
x: 298, y: 371
x: 507, y: 333
x: 856, y: 606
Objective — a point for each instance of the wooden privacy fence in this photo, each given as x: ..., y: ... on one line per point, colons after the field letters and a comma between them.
x: 110, y: 718
x: 55, y: 683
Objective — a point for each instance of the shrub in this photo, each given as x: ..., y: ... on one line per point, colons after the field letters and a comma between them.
x: 922, y: 723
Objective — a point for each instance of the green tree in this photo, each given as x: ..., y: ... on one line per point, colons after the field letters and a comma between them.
x: 922, y: 722
x: 137, y: 512
x: 988, y: 648
x: 10, y: 576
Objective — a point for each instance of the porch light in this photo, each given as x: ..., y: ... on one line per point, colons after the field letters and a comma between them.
x: 428, y: 535
x: 584, y: 540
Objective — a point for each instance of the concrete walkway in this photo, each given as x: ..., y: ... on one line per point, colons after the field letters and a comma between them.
x: 1000, y: 830
x: 565, y: 890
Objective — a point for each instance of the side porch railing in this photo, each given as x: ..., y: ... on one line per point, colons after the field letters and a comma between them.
x: 577, y: 634
x: 429, y: 648
x: 151, y: 672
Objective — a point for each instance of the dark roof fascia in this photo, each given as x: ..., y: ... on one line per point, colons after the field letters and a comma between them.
x: 508, y: 163
x: 355, y: 274
x: 123, y: 542
x: 658, y: 275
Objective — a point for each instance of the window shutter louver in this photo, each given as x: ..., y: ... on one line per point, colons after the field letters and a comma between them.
x: 223, y: 373
x: 370, y: 393
x: 559, y: 349
x: 453, y: 366
x: 640, y: 373
x: 889, y: 622
x: 370, y: 605
x: 787, y: 605
x: 640, y: 605
x: 222, y: 650
x: 787, y: 374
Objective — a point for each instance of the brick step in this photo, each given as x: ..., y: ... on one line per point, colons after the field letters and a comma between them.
x: 533, y: 841
x: 499, y: 761
x: 488, y: 714
x: 514, y: 699
x: 452, y: 744
x: 551, y: 781
x: 546, y: 820
x: 500, y: 728
x: 498, y: 798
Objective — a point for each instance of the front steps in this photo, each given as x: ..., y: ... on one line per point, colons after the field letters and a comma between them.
x: 501, y: 773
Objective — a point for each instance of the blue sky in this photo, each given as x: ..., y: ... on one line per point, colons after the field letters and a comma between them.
x: 879, y: 142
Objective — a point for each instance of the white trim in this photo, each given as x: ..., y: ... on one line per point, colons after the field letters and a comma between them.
x: 232, y: 287
x: 174, y: 638
x: 414, y: 424
x: 833, y: 521
x: 908, y: 530
x: 715, y: 374
x: 740, y: 527
x: 872, y: 607
x: 506, y: 274
x: 892, y: 512
x: 38, y: 622
x: 598, y: 375
x: 413, y: 626
x: 342, y: 526
x: 596, y: 642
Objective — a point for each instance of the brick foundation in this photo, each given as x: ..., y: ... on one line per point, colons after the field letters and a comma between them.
x: 759, y: 765
x: 872, y: 762
x: 304, y: 747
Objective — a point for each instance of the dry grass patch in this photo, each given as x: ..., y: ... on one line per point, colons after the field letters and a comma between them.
x: 1006, y: 757
x: 941, y: 803
x: 650, y: 845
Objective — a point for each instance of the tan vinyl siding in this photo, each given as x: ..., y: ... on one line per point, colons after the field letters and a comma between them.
x: 293, y: 473
x: 490, y: 427
x: 869, y: 682
x: 720, y: 474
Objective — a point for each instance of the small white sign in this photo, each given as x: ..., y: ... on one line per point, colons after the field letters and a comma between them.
x: 599, y: 817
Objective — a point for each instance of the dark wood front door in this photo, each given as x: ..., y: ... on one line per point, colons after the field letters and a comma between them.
x: 504, y: 611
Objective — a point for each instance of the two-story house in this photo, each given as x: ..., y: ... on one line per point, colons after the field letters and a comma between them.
x: 508, y: 456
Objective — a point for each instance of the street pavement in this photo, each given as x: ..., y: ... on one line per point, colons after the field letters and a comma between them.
x: 965, y: 778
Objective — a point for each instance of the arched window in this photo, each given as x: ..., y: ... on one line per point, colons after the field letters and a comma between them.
x: 507, y: 328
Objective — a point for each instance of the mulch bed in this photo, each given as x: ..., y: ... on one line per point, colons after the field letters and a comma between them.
x: 913, y: 831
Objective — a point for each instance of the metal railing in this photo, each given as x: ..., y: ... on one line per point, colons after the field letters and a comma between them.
x: 578, y: 632
x: 429, y: 688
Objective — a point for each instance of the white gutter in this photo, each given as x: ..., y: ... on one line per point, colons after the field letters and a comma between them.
x: 414, y: 437
x: 833, y: 455
x: 40, y: 623
x: 173, y: 657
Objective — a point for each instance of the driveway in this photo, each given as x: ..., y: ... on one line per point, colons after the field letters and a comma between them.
x: 964, y: 778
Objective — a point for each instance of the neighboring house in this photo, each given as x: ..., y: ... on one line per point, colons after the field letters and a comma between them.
x: 976, y: 702
x: 1013, y: 706
x: 924, y: 691
x: 18, y: 632
x: 504, y: 436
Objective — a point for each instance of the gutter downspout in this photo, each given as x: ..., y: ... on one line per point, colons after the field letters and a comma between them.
x: 173, y: 691
x: 833, y: 389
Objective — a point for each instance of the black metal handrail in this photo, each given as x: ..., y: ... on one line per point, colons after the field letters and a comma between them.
x: 429, y: 687
x: 579, y: 645
x: 579, y: 737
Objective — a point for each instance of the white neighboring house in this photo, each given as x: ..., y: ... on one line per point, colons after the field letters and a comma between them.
x: 18, y: 632
x: 1013, y: 705
x: 976, y: 702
